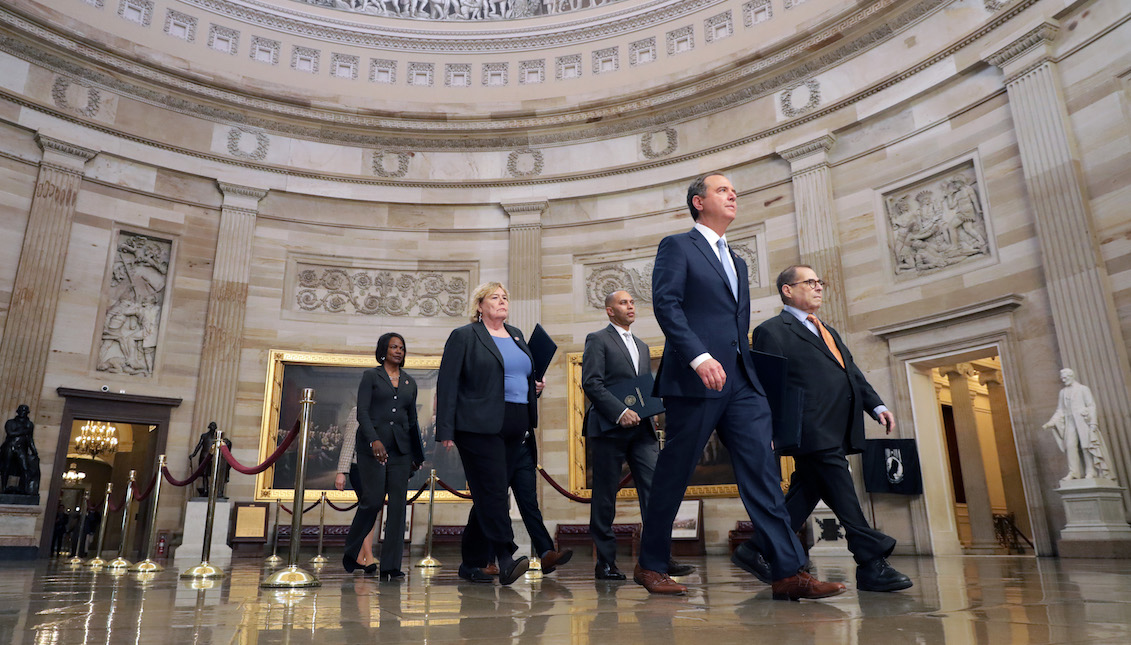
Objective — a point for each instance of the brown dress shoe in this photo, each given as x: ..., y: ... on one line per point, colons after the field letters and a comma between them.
x: 551, y: 560
x: 491, y: 569
x: 804, y: 585
x: 656, y: 582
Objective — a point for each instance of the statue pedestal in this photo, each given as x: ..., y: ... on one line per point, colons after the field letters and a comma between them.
x: 18, y: 537
x: 1096, y: 526
x: 192, y: 543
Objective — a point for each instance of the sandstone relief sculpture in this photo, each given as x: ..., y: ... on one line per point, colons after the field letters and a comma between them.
x: 937, y: 223
x: 137, y: 295
x: 381, y: 292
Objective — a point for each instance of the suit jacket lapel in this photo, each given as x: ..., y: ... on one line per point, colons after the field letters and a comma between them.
x: 618, y: 341
x: 384, y: 376
x: 801, y: 330
x: 484, y: 337
x: 710, y: 255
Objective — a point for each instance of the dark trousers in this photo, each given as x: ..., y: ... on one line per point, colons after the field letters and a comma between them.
x: 524, y: 483
x: 741, y: 417
x: 825, y: 475
x: 636, y: 445
x: 489, y: 460
x: 376, y: 480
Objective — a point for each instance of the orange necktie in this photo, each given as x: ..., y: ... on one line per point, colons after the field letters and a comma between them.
x: 828, y: 338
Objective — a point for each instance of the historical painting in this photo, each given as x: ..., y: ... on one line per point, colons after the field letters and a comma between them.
x: 335, y: 379
x: 131, y: 321
x: 937, y: 221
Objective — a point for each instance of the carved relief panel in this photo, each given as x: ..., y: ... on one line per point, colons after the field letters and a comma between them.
x: 937, y: 220
x: 135, y: 303
x: 329, y: 286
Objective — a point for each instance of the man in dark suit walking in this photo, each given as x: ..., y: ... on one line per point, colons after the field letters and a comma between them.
x: 701, y: 297
x: 614, y: 432
x: 835, y: 395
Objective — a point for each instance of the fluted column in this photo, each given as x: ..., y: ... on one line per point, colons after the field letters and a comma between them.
x: 1008, y: 462
x: 1084, y: 315
x: 978, y: 506
x: 524, y: 270
x: 227, y: 305
x: 35, y: 294
x: 817, y: 235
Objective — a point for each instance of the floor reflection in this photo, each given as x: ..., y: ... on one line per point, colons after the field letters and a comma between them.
x: 978, y: 600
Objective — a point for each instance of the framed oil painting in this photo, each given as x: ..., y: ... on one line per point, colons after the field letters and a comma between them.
x: 335, y: 378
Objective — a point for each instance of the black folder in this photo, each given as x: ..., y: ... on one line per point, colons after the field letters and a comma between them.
x: 542, y: 348
x: 636, y: 394
x: 786, y: 403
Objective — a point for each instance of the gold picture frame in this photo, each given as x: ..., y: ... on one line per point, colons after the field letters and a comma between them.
x: 335, y: 378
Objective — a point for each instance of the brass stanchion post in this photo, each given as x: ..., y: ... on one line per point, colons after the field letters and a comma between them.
x: 321, y: 559
x: 80, y: 531
x: 148, y: 565
x: 428, y: 561
x: 120, y: 563
x: 97, y: 560
x: 204, y: 569
x: 292, y: 576
x: 274, y: 560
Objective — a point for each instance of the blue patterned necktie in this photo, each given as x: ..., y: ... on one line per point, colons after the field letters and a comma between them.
x: 728, y: 269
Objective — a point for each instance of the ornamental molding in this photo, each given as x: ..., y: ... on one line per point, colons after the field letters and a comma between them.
x: 646, y: 139
x: 49, y: 144
x: 241, y: 191
x: 823, y: 144
x: 418, y: 290
x: 235, y: 138
x: 418, y: 40
x: 59, y: 90
x: 812, y: 88
x: 525, y: 162
x: 1042, y: 34
x: 381, y: 167
x: 613, y: 118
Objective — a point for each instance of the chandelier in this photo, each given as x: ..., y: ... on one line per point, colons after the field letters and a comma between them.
x: 97, y: 438
x: 72, y: 476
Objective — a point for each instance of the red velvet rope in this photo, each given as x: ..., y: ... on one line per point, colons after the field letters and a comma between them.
x: 423, y: 487
x: 140, y: 496
x: 191, y: 478
x: 341, y: 509
x: 114, y: 508
x: 451, y: 490
x: 576, y: 498
x: 271, y: 459
x: 304, y: 511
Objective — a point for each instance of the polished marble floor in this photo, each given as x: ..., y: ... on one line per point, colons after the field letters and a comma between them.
x: 984, y: 600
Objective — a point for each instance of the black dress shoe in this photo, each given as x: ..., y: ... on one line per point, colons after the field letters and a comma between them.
x: 679, y: 569
x: 350, y: 564
x: 513, y: 572
x: 878, y: 575
x: 474, y: 574
x: 607, y: 571
x: 392, y: 574
x: 747, y: 558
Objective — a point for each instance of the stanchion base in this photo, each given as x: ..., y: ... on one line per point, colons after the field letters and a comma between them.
x: 319, y: 559
x: 291, y: 577
x: 534, y: 572
x: 428, y: 562
x: 119, y: 565
x: 203, y: 570
x: 75, y: 561
x: 147, y: 566
x: 273, y: 561
x: 145, y: 577
x: 96, y: 563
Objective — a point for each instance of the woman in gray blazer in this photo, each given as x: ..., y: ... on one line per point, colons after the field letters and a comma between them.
x: 388, y: 452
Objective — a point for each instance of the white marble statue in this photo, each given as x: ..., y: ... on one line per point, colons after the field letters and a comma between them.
x: 1077, y: 432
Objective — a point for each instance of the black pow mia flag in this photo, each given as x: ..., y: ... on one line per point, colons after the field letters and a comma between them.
x: 892, y: 466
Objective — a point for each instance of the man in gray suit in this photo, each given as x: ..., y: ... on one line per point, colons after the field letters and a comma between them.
x: 613, y: 431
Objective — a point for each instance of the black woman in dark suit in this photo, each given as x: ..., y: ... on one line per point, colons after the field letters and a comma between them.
x: 388, y: 451
x: 486, y: 407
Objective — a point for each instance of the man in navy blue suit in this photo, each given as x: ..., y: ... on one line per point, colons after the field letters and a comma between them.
x: 701, y: 298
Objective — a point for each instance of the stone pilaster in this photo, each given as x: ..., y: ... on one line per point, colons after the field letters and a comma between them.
x: 524, y: 270
x: 978, y: 506
x: 817, y: 235
x: 227, y: 304
x: 1084, y: 314
x: 1008, y: 462
x: 35, y: 294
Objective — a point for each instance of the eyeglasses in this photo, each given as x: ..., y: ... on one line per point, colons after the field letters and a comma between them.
x: 812, y: 282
